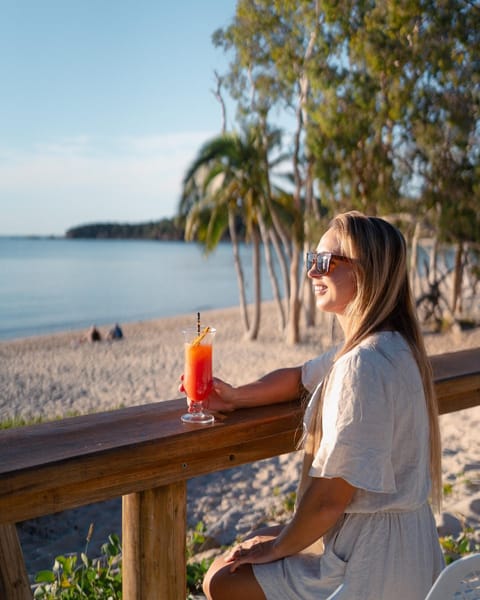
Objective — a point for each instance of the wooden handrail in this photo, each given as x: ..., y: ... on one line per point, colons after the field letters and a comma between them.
x: 457, y: 380
x: 54, y: 466
x: 146, y: 454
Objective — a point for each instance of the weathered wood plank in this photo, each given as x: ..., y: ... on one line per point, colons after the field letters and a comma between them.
x: 14, y: 584
x: 154, y: 543
x: 452, y: 365
x: 458, y: 394
x: 457, y: 379
x: 127, y: 429
x: 164, y: 457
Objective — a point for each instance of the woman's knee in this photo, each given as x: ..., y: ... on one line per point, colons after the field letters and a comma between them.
x: 221, y: 584
x: 213, y: 577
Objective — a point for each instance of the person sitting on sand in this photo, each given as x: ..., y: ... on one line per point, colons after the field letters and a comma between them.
x: 94, y: 335
x: 363, y: 526
x: 115, y: 333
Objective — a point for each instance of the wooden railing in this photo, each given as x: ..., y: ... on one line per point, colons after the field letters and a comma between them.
x: 146, y: 455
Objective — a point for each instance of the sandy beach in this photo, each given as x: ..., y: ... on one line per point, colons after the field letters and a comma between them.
x: 61, y: 374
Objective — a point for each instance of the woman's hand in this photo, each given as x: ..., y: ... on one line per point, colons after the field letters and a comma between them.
x: 257, y: 550
x: 220, y: 398
x: 281, y: 385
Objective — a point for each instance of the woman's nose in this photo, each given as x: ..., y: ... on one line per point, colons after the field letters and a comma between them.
x: 313, y: 273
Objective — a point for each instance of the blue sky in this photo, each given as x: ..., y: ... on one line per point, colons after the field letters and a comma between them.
x: 104, y: 104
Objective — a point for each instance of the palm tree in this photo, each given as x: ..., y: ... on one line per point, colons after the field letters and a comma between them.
x: 225, y: 186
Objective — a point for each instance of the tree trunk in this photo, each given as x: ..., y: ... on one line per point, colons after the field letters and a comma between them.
x: 252, y: 333
x: 238, y: 268
x: 293, y: 325
x: 309, y: 303
x: 276, y: 231
x: 271, y: 270
x: 457, y: 281
x: 308, y: 299
x: 282, y: 261
x: 218, y: 95
x: 433, y: 267
x: 414, y: 259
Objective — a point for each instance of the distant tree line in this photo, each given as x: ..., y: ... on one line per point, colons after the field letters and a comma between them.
x: 165, y: 229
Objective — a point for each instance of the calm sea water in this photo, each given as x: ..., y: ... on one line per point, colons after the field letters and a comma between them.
x: 49, y: 285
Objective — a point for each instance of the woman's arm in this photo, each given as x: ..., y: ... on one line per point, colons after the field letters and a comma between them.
x: 281, y: 385
x: 322, y: 504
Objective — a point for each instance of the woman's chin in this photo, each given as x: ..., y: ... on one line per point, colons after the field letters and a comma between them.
x: 322, y: 304
x: 328, y: 307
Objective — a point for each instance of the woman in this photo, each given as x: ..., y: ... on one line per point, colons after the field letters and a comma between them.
x: 372, y: 443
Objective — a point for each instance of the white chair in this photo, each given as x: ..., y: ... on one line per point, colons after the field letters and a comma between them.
x: 459, y: 581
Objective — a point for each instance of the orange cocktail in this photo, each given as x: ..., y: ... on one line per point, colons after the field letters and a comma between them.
x: 197, y: 377
x: 198, y: 371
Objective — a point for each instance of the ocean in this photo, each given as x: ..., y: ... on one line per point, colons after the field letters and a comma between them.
x: 52, y: 285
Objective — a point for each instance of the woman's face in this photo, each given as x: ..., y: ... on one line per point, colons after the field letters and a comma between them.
x: 335, y: 290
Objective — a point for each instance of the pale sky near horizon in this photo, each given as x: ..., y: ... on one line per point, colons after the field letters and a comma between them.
x: 104, y: 104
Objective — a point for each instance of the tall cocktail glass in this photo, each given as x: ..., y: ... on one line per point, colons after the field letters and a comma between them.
x: 197, y: 375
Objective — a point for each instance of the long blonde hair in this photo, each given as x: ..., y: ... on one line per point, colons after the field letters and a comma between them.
x: 383, y: 300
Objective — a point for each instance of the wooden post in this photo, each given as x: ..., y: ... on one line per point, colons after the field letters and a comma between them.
x: 14, y: 583
x: 154, y: 524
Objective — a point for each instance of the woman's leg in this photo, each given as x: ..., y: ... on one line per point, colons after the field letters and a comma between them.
x: 221, y: 584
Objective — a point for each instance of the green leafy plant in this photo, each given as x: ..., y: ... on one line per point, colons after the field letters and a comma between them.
x: 447, y: 489
x: 456, y: 547
x: 466, y: 542
x: 289, y: 502
x: 196, y: 569
x: 13, y: 422
x: 74, y: 576
x: 98, y: 578
x: 195, y: 574
x: 195, y: 539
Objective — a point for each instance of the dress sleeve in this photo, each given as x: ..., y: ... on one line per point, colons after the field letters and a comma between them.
x: 313, y: 371
x: 357, y: 423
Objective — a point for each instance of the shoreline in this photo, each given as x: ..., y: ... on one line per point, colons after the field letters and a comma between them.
x: 47, y: 376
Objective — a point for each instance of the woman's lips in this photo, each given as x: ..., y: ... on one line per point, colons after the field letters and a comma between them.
x: 319, y: 289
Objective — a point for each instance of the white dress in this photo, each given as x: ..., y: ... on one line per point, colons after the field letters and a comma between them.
x: 375, y: 436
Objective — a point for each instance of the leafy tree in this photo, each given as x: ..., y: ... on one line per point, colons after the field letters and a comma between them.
x: 385, y: 104
x: 165, y: 229
x: 445, y: 126
x: 275, y: 45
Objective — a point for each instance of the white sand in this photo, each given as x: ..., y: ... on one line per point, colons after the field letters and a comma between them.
x: 55, y: 375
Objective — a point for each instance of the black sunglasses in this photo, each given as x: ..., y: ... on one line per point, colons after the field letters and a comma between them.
x: 322, y: 261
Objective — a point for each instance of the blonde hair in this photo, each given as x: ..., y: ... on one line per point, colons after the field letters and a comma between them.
x: 383, y: 300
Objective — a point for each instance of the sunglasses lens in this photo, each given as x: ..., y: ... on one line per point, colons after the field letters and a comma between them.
x: 312, y: 261
x: 321, y: 262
